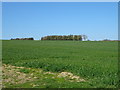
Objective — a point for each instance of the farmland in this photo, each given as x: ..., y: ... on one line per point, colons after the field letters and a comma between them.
x: 94, y: 61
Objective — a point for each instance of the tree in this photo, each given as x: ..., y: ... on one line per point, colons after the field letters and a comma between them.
x: 75, y: 37
x: 84, y: 37
x: 64, y: 37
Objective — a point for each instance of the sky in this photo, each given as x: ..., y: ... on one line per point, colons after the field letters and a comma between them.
x: 0, y: 32
x: 97, y: 20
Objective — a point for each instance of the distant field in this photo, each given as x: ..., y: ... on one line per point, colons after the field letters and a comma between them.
x: 95, y: 61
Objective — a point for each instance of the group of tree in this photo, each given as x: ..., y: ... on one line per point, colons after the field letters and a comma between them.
x: 22, y: 39
x: 65, y: 37
x: 58, y: 37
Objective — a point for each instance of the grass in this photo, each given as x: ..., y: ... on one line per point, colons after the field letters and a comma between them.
x: 95, y: 61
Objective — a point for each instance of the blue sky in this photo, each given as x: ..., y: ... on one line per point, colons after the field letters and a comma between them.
x: 97, y: 20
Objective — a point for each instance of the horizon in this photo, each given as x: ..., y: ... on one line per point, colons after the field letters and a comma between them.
x: 97, y: 20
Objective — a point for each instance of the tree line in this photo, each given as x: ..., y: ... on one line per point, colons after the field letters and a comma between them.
x: 58, y: 37
x: 65, y: 37
x: 22, y: 39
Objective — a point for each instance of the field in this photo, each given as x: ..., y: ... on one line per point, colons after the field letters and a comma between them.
x: 95, y: 63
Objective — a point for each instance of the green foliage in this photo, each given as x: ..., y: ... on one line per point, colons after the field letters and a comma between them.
x: 95, y: 61
x: 65, y: 37
x: 22, y: 39
x: 24, y: 70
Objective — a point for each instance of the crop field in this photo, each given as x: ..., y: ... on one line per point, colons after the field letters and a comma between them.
x: 94, y: 62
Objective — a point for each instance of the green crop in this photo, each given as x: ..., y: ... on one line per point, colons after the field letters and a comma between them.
x: 96, y: 61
